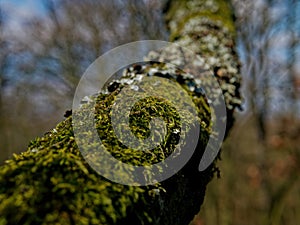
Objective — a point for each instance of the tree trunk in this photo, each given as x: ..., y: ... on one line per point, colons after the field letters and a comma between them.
x: 51, y: 183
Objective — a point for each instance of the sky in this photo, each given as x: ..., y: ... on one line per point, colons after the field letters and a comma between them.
x: 16, y: 10
x: 23, y: 6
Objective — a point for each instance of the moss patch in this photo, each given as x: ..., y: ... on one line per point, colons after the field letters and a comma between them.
x: 50, y: 183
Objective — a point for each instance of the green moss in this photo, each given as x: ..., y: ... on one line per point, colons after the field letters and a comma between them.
x: 51, y: 183
x: 141, y: 115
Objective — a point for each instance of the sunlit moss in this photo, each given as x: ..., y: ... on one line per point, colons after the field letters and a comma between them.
x: 51, y: 182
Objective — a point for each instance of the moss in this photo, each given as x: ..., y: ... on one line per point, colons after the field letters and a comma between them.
x: 52, y: 173
x: 50, y: 183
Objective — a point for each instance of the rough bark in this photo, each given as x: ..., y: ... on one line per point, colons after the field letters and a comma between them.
x: 50, y: 183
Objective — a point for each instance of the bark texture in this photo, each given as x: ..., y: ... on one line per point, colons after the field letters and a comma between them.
x: 51, y: 183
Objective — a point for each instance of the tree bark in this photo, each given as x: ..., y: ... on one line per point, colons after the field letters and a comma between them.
x: 50, y: 183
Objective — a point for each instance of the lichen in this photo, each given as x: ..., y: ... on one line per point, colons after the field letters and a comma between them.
x: 207, y: 28
x: 217, y: 11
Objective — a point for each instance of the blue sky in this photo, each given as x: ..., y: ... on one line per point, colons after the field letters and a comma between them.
x: 16, y: 11
x: 35, y: 6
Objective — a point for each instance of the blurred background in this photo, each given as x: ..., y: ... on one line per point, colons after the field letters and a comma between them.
x: 46, y: 45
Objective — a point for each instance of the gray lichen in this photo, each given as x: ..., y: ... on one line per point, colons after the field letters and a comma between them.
x: 207, y: 28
